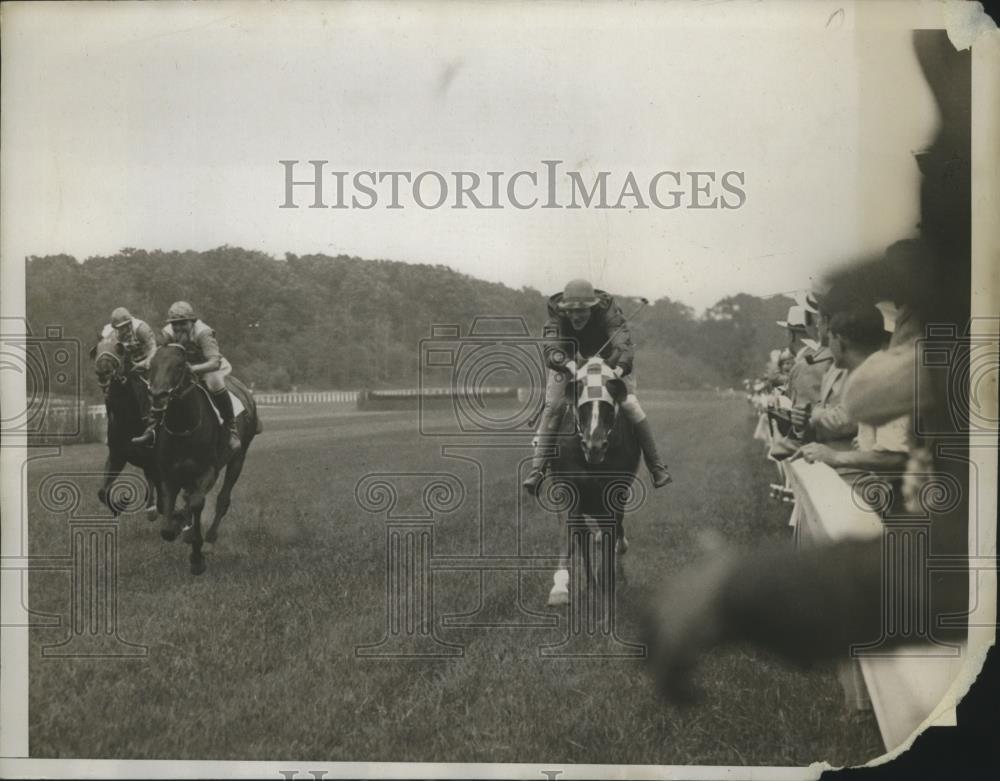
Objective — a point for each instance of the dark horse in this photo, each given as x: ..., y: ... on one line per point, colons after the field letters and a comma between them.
x: 192, y: 448
x: 592, y: 477
x: 123, y: 390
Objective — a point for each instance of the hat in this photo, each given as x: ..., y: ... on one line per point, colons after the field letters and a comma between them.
x: 818, y: 296
x: 120, y: 316
x: 578, y: 294
x: 180, y: 311
x: 797, y: 318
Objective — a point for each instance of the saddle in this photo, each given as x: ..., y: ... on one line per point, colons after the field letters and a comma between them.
x: 238, y: 406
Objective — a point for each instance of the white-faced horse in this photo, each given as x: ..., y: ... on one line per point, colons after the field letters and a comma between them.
x: 592, y: 477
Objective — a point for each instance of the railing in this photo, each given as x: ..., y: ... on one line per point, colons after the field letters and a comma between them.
x: 904, y: 688
x: 411, y: 398
x: 61, y: 422
x: 305, y: 397
x: 76, y: 422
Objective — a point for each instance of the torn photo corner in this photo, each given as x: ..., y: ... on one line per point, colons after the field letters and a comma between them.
x: 523, y: 390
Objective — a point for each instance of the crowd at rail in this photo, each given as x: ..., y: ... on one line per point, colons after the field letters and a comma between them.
x: 801, y: 397
x: 865, y: 387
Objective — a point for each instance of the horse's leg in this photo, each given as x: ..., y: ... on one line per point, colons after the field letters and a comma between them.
x: 233, y: 470
x: 169, y: 528
x: 588, y: 542
x: 621, y: 541
x: 154, y: 504
x: 559, y: 595
x: 113, y: 466
x: 196, y: 503
x: 621, y: 548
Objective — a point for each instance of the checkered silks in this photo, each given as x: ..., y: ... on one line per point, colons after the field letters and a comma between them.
x: 595, y: 376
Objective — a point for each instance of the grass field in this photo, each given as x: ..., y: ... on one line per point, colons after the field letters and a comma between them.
x: 255, y: 659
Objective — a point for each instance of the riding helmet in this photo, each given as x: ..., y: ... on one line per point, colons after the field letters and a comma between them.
x: 180, y: 311
x: 120, y: 316
x: 578, y: 294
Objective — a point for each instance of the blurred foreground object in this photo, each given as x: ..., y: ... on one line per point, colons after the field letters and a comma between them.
x: 907, y: 584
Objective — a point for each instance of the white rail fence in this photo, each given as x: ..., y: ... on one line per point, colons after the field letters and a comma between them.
x: 906, y: 687
x: 80, y: 422
x: 67, y: 422
x: 306, y: 397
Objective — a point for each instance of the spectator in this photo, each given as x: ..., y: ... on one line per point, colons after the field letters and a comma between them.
x: 778, y: 378
x: 810, y: 364
x: 805, y: 378
x: 854, y: 336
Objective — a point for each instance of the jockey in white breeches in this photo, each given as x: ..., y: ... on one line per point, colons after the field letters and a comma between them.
x: 205, y: 360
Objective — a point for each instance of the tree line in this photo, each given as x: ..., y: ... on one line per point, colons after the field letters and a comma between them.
x: 321, y: 322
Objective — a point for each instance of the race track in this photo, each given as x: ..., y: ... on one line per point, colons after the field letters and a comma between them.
x: 256, y: 659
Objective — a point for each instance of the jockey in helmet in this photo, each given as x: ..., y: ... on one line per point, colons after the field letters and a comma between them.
x: 591, y: 318
x: 134, y: 335
x: 206, y: 361
x: 138, y: 345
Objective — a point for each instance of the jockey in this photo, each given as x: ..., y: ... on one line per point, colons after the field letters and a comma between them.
x: 202, y: 350
x: 138, y: 345
x: 134, y: 335
x: 591, y: 318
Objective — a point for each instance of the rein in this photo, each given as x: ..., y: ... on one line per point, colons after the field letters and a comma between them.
x: 178, y: 392
x: 172, y: 398
x: 116, y: 375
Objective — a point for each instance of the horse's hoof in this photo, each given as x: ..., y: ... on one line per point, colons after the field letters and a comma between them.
x: 621, y: 547
x: 168, y: 534
x: 197, y: 567
x: 207, y: 549
x: 151, y: 513
x: 188, y: 534
x: 558, y: 598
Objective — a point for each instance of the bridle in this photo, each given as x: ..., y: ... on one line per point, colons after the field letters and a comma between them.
x: 116, y: 376
x: 176, y: 392
x: 596, y: 394
x: 581, y: 434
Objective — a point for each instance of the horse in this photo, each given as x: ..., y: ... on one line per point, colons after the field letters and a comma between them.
x: 123, y: 389
x: 594, y: 475
x: 192, y: 448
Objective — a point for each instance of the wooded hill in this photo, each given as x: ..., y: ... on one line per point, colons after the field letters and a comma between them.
x: 316, y: 321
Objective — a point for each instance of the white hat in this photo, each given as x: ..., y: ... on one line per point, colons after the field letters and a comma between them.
x: 796, y: 318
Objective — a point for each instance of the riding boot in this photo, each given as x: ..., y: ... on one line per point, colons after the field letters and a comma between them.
x: 148, y: 437
x: 657, y: 469
x: 548, y: 431
x: 225, y: 406
x: 543, y: 443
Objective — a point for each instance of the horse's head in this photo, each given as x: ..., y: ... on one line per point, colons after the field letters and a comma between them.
x: 599, y: 394
x: 109, y: 362
x: 169, y: 375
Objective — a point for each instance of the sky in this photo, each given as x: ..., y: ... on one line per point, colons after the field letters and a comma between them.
x: 160, y: 126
